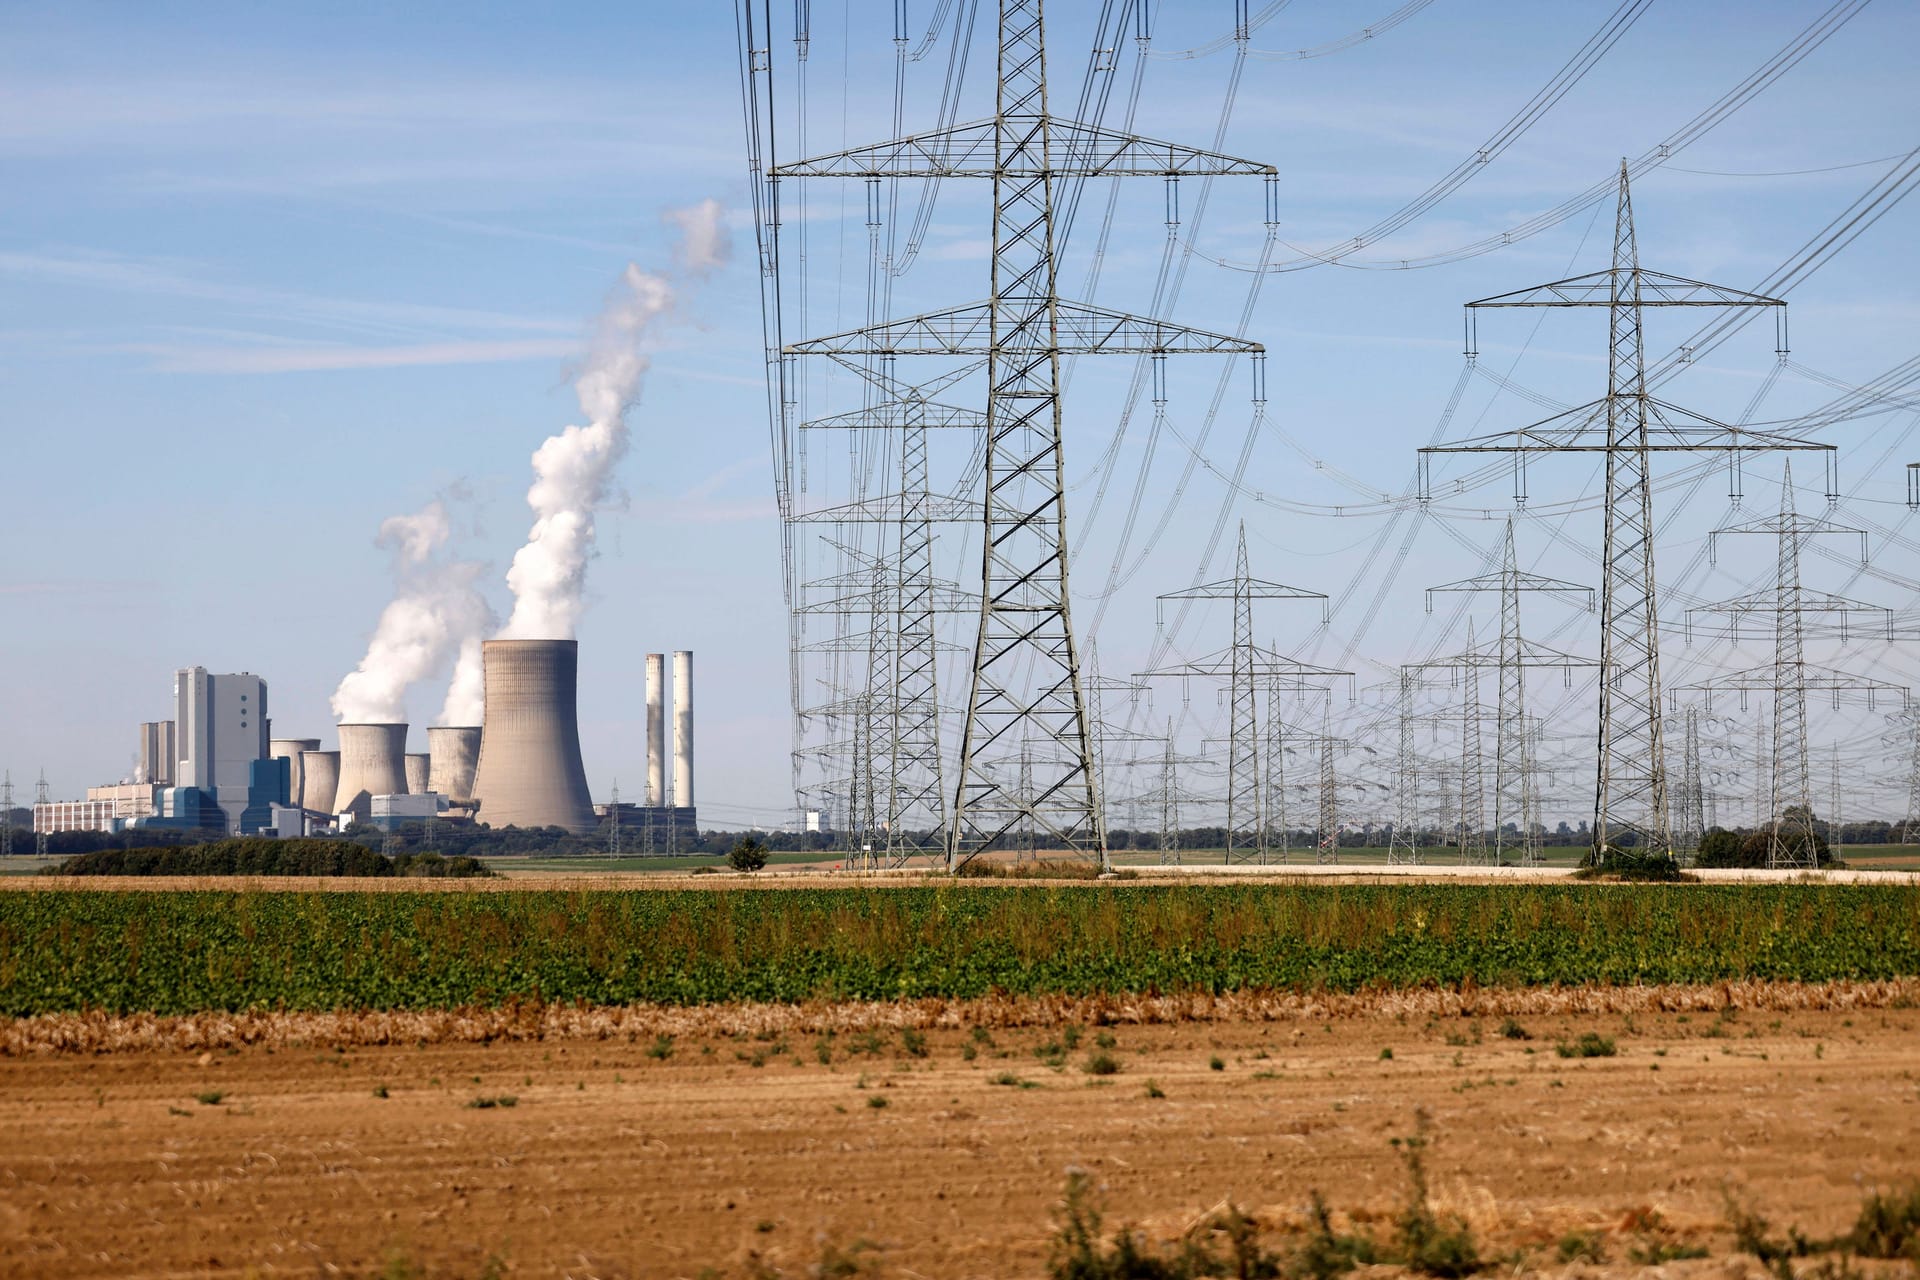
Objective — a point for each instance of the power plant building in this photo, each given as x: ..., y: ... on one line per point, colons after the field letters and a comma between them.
x: 220, y: 723
x: 159, y: 754
x: 453, y: 753
x: 291, y: 750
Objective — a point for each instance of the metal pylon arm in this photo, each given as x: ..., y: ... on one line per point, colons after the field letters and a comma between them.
x: 941, y: 599
x: 1825, y: 679
x: 1527, y: 653
x: 1084, y: 329
x: 1604, y: 288
x: 1670, y: 429
x: 888, y: 508
x: 1072, y: 150
x: 895, y: 415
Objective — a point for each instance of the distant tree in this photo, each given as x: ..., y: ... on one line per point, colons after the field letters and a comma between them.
x: 747, y: 855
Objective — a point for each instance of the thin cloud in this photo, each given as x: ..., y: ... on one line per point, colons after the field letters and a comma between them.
x: 243, y: 360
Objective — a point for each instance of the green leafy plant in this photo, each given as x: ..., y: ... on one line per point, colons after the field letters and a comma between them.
x: 1591, y: 1044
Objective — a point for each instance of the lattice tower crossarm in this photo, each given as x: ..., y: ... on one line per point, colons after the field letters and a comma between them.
x: 1631, y: 816
x: 1025, y: 692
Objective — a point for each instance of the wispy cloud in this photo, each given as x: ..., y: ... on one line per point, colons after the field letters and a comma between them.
x: 312, y: 359
x: 112, y: 272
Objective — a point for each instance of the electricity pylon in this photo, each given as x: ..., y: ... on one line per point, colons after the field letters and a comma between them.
x: 1327, y: 840
x: 1026, y: 686
x: 42, y: 794
x: 1246, y: 833
x: 1690, y: 810
x: 1789, y: 814
x: 1513, y: 757
x: 1404, y: 847
x: 1910, y: 829
x: 6, y: 814
x: 1626, y: 427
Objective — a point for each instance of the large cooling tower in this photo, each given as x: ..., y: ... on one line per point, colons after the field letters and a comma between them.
x: 419, y: 766
x: 372, y: 763
x: 530, y: 774
x: 454, y: 753
x: 292, y: 748
x: 320, y: 780
x: 682, y: 729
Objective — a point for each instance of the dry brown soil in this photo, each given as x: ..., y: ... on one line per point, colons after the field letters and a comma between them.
x: 611, y: 1162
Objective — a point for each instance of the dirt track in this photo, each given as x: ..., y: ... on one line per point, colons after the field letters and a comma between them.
x: 612, y: 1162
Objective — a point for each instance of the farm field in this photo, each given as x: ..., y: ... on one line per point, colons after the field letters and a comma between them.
x: 722, y: 1151
x: 183, y: 952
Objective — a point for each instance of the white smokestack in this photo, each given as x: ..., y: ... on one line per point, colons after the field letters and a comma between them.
x: 656, y: 730
x: 683, y: 729
x: 572, y: 470
x: 436, y: 606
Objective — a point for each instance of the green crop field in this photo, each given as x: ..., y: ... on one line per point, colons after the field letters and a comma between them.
x: 216, y: 950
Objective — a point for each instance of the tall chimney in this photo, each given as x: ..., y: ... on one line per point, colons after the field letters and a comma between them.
x: 454, y: 752
x: 293, y: 749
x: 319, y: 780
x: 683, y: 728
x: 372, y: 763
x: 530, y: 772
x: 656, y: 730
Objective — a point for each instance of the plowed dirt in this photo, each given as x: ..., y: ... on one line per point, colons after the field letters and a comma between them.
x: 943, y: 1154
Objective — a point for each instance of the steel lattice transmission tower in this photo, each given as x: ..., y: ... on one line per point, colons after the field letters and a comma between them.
x: 1025, y: 684
x: 1513, y: 750
x: 42, y: 794
x: 6, y: 814
x: 1626, y: 427
x: 1404, y: 847
x: 1245, y: 663
x: 1910, y: 829
x: 1789, y: 814
x: 1690, y: 807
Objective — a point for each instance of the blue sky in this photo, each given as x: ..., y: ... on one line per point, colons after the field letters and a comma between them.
x: 272, y: 273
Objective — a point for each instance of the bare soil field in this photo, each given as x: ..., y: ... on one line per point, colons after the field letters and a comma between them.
x: 934, y: 1140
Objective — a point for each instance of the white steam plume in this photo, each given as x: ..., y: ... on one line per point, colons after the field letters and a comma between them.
x: 572, y: 470
x: 436, y: 608
x: 466, y: 695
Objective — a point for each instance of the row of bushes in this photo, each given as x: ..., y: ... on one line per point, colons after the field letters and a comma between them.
x: 258, y: 856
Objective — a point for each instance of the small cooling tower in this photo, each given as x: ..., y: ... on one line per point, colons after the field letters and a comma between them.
x: 419, y: 766
x: 320, y: 780
x: 372, y: 763
x: 292, y: 749
x: 530, y: 773
x: 454, y: 753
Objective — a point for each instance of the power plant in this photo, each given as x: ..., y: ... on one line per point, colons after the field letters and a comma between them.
x: 521, y: 766
x: 530, y: 772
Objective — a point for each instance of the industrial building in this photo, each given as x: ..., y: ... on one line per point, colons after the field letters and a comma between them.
x: 530, y: 773
x: 221, y: 727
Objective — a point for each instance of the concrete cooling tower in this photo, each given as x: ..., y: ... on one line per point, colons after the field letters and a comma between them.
x: 320, y: 780
x: 454, y: 752
x: 530, y: 773
x: 372, y: 763
x: 418, y: 769
x: 292, y: 749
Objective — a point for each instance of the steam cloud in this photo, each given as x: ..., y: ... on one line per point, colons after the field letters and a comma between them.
x: 437, y: 608
x: 572, y: 470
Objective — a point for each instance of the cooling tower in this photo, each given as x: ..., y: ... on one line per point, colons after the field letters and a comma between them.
x: 320, y: 780
x: 530, y: 774
x: 454, y: 752
x: 292, y: 749
x: 682, y: 729
x: 656, y: 730
x: 419, y: 766
x: 372, y: 763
